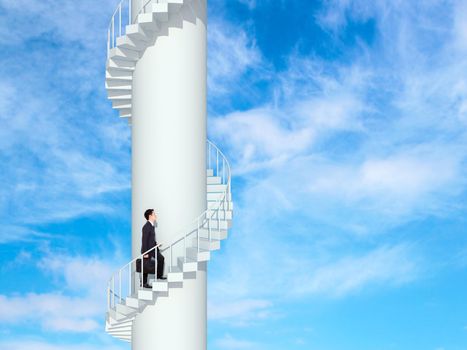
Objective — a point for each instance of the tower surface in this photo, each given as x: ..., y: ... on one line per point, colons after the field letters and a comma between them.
x: 169, y: 168
x: 156, y: 78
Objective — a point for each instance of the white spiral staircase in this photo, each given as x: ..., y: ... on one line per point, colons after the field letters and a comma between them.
x: 128, y: 37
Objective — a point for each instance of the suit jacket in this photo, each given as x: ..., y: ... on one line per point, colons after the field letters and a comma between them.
x: 149, y: 239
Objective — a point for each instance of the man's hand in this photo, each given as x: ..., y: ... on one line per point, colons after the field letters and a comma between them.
x: 146, y: 256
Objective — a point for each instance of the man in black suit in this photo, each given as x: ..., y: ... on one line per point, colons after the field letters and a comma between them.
x: 148, y: 242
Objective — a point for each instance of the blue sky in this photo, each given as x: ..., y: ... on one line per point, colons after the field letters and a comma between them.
x: 345, y: 123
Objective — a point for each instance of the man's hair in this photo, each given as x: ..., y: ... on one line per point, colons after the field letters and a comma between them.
x: 147, y: 213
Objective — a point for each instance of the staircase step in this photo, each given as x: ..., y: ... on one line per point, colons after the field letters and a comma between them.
x: 117, y: 82
x: 115, y: 329
x: 132, y: 43
x: 121, y: 104
x: 114, y: 325
x: 221, y: 214
x: 218, y: 188
x: 118, y: 72
x: 175, y: 274
x: 219, y: 235
x: 112, y: 66
x: 119, y: 334
x: 136, y: 31
x: 206, y: 244
x: 189, y: 266
x: 161, y: 11
x: 126, y: 328
x: 224, y: 205
x: 146, y: 294
x: 124, y: 112
x: 123, y: 88
x: 202, y: 255
x: 126, y: 310
x: 124, y: 54
x: 119, y: 97
x: 117, y: 315
x: 175, y: 5
x: 214, y: 180
x: 121, y: 62
x: 210, y: 172
x: 134, y: 302
x: 218, y: 224
x: 160, y: 286
x: 148, y: 21
x: 218, y: 196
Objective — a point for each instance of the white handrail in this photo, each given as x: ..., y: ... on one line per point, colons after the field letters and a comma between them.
x: 199, y: 223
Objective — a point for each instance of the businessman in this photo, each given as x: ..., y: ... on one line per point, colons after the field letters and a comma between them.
x: 148, y: 242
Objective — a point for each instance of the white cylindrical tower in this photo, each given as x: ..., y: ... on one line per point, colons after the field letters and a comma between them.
x: 169, y: 168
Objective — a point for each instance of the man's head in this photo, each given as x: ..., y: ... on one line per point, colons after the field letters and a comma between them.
x: 150, y: 215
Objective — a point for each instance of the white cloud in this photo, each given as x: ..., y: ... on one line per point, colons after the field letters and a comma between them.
x: 344, y: 153
x: 59, y: 158
x: 230, y: 57
x: 54, y: 312
x: 257, y: 136
x: 78, y: 309
x: 44, y: 345
x: 385, y: 265
x: 240, y: 312
x: 411, y: 182
x: 54, y: 18
x: 229, y: 342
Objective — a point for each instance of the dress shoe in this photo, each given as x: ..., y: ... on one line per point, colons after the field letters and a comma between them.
x: 162, y: 278
x: 147, y: 286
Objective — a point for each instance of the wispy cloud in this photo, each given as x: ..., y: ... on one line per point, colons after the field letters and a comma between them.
x: 50, y: 104
x: 345, y: 152
x: 240, y: 312
x: 53, y: 18
x: 80, y: 282
x: 230, y: 57
x: 44, y: 345
x: 229, y: 342
x: 386, y: 265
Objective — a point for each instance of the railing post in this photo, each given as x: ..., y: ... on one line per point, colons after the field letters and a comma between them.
x: 108, y: 43
x: 198, y: 235
x: 184, y: 249
x: 130, y: 21
x: 113, y: 291
x: 108, y: 296
x: 120, y: 286
x: 170, y: 268
x: 217, y: 163
x: 209, y: 229
x: 209, y: 156
x: 142, y: 272
x: 130, y: 284
x: 120, y: 20
x: 113, y: 31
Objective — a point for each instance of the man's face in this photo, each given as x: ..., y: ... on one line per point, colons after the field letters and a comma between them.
x: 153, y: 217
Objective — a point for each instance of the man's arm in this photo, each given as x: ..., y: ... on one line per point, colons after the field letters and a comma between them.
x: 145, y: 241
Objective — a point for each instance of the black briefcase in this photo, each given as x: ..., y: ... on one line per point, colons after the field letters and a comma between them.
x: 138, y: 265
